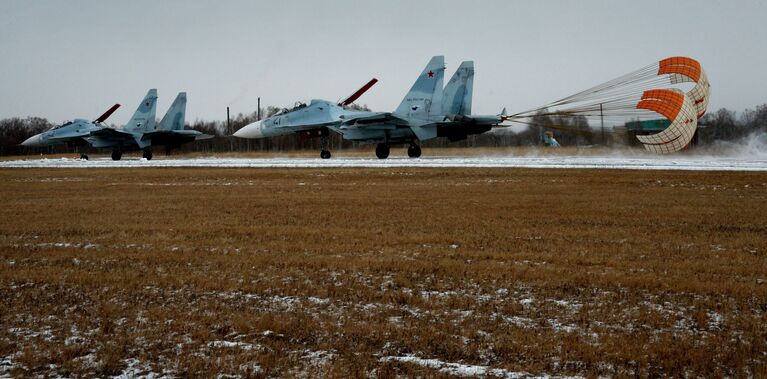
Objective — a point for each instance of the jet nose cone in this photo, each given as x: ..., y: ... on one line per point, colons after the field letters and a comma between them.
x: 254, y: 130
x: 33, y: 141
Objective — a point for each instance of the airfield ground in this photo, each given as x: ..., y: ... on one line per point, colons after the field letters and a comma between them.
x: 379, y: 272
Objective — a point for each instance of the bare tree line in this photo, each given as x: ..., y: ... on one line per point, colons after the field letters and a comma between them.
x: 722, y: 125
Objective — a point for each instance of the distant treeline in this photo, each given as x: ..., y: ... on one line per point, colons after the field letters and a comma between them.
x: 722, y: 125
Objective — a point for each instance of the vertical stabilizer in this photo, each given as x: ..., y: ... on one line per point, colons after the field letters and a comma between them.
x: 143, y: 119
x: 456, y: 98
x: 175, y: 117
x: 424, y: 100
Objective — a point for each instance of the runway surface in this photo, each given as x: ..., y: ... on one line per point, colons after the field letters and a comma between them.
x: 695, y: 163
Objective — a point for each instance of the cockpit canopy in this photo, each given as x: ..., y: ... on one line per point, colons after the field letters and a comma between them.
x: 67, y: 123
x: 61, y: 126
x: 295, y: 106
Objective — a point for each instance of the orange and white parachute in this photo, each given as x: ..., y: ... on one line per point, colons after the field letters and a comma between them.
x: 675, y: 106
x: 682, y: 70
x: 676, y: 88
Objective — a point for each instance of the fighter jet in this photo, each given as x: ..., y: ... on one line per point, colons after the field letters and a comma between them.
x: 427, y: 111
x: 140, y: 133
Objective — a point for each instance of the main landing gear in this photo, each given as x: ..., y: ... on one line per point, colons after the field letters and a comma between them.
x: 84, y: 157
x: 147, y: 154
x: 116, y: 155
x: 324, y: 149
x: 382, y: 150
x: 414, y: 151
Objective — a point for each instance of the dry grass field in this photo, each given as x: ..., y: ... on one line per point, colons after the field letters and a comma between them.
x: 382, y: 273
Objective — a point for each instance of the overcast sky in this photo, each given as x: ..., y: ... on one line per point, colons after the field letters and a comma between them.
x: 67, y: 59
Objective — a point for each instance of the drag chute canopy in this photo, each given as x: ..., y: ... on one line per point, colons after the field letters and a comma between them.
x: 683, y: 69
x: 675, y: 106
x: 676, y: 88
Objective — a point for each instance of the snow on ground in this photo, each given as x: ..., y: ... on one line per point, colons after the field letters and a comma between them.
x: 461, y: 370
x: 690, y: 162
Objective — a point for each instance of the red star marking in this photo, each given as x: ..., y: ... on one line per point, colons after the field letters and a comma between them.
x: 431, y: 74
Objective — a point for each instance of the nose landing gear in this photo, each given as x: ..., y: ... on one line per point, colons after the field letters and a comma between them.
x: 83, y: 150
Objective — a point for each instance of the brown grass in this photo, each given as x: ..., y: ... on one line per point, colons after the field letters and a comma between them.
x: 269, y: 272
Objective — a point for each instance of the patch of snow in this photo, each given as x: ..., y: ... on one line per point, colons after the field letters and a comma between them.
x: 317, y: 300
x: 558, y: 326
x: 459, y: 369
x: 318, y: 358
x: 90, y: 360
x: 73, y: 340
x: 135, y: 369
x: 567, y: 304
x: 252, y: 368
x: 438, y: 294
x: 522, y: 322
x: 714, y: 320
x: 231, y: 344
x: 6, y: 365
x: 526, y: 301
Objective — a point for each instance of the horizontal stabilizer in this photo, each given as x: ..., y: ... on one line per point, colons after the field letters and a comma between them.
x: 424, y: 132
x: 141, y: 142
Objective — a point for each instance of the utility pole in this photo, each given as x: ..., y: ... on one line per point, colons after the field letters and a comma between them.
x: 259, y: 109
x: 229, y: 130
x: 602, y: 118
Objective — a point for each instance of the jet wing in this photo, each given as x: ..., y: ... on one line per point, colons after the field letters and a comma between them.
x: 373, y: 118
x: 66, y: 138
x: 113, y: 136
x: 186, y: 134
x: 111, y: 133
x: 386, y: 120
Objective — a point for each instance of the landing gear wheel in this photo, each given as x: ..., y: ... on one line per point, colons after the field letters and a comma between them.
x: 116, y: 155
x: 324, y: 143
x: 84, y: 157
x: 382, y: 151
x: 414, y: 151
x: 147, y: 154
